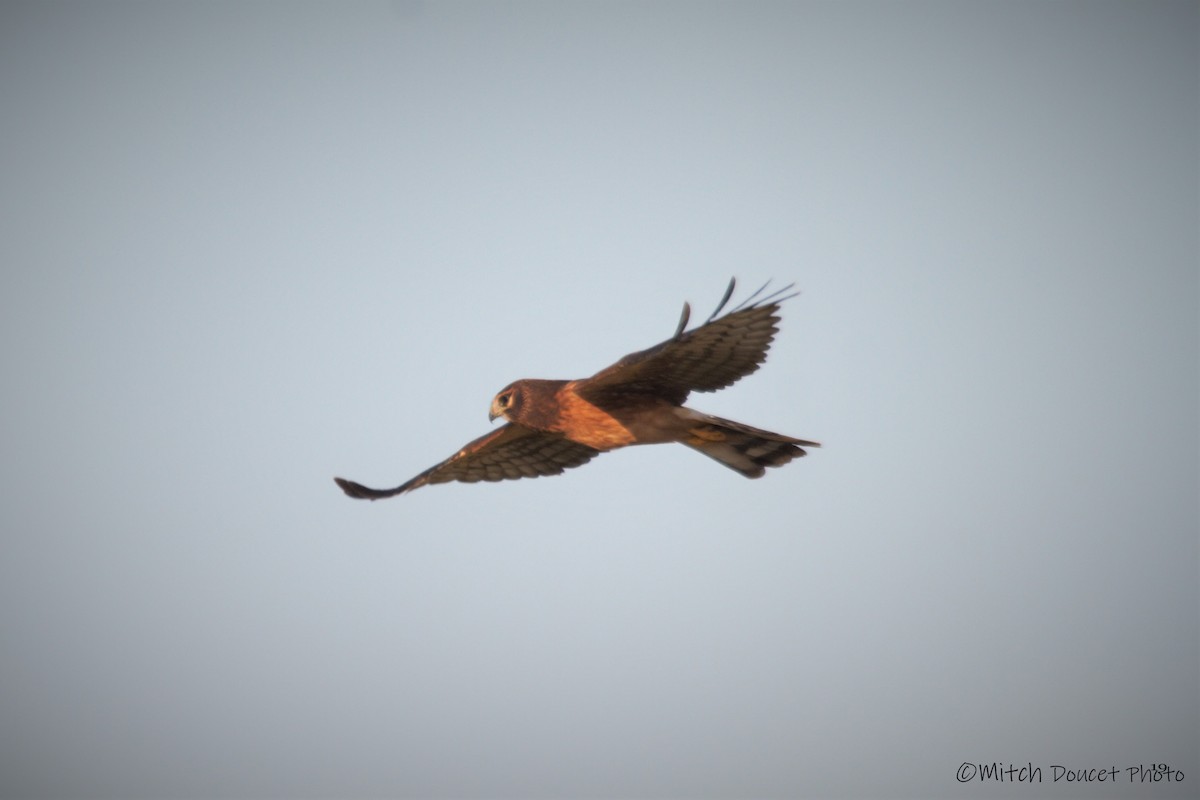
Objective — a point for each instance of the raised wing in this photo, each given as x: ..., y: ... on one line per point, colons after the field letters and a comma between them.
x: 509, y: 452
x: 704, y: 359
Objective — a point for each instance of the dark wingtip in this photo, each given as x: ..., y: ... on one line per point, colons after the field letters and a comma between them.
x: 683, y: 320
x: 356, y: 490
x: 728, y: 294
x: 779, y: 295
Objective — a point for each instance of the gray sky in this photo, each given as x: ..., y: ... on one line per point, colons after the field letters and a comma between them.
x: 248, y: 247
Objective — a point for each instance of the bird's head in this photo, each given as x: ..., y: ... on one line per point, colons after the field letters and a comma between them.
x: 506, y: 403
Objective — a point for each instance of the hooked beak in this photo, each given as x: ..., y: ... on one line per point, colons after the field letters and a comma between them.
x: 492, y: 416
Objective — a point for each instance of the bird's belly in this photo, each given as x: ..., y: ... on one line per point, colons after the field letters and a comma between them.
x: 606, y: 429
x: 582, y: 422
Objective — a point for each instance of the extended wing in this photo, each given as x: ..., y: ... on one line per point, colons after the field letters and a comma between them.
x: 704, y: 359
x: 509, y: 452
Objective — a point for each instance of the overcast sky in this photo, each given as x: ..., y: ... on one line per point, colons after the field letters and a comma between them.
x: 246, y: 247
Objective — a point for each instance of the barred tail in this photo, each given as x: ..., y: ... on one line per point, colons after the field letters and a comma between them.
x: 743, y: 448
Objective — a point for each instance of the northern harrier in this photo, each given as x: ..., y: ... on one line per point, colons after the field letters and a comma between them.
x: 556, y: 425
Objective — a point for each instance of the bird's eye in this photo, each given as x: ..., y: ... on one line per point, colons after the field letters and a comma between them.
x: 504, y: 398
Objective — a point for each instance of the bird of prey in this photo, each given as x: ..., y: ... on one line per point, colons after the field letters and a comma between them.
x: 553, y: 425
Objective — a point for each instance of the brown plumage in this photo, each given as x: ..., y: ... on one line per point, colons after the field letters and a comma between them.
x: 555, y: 425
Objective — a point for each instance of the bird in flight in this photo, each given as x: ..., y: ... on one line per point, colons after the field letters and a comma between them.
x: 554, y: 425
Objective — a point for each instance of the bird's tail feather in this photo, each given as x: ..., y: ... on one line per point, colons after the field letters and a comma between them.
x: 743, y: 448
